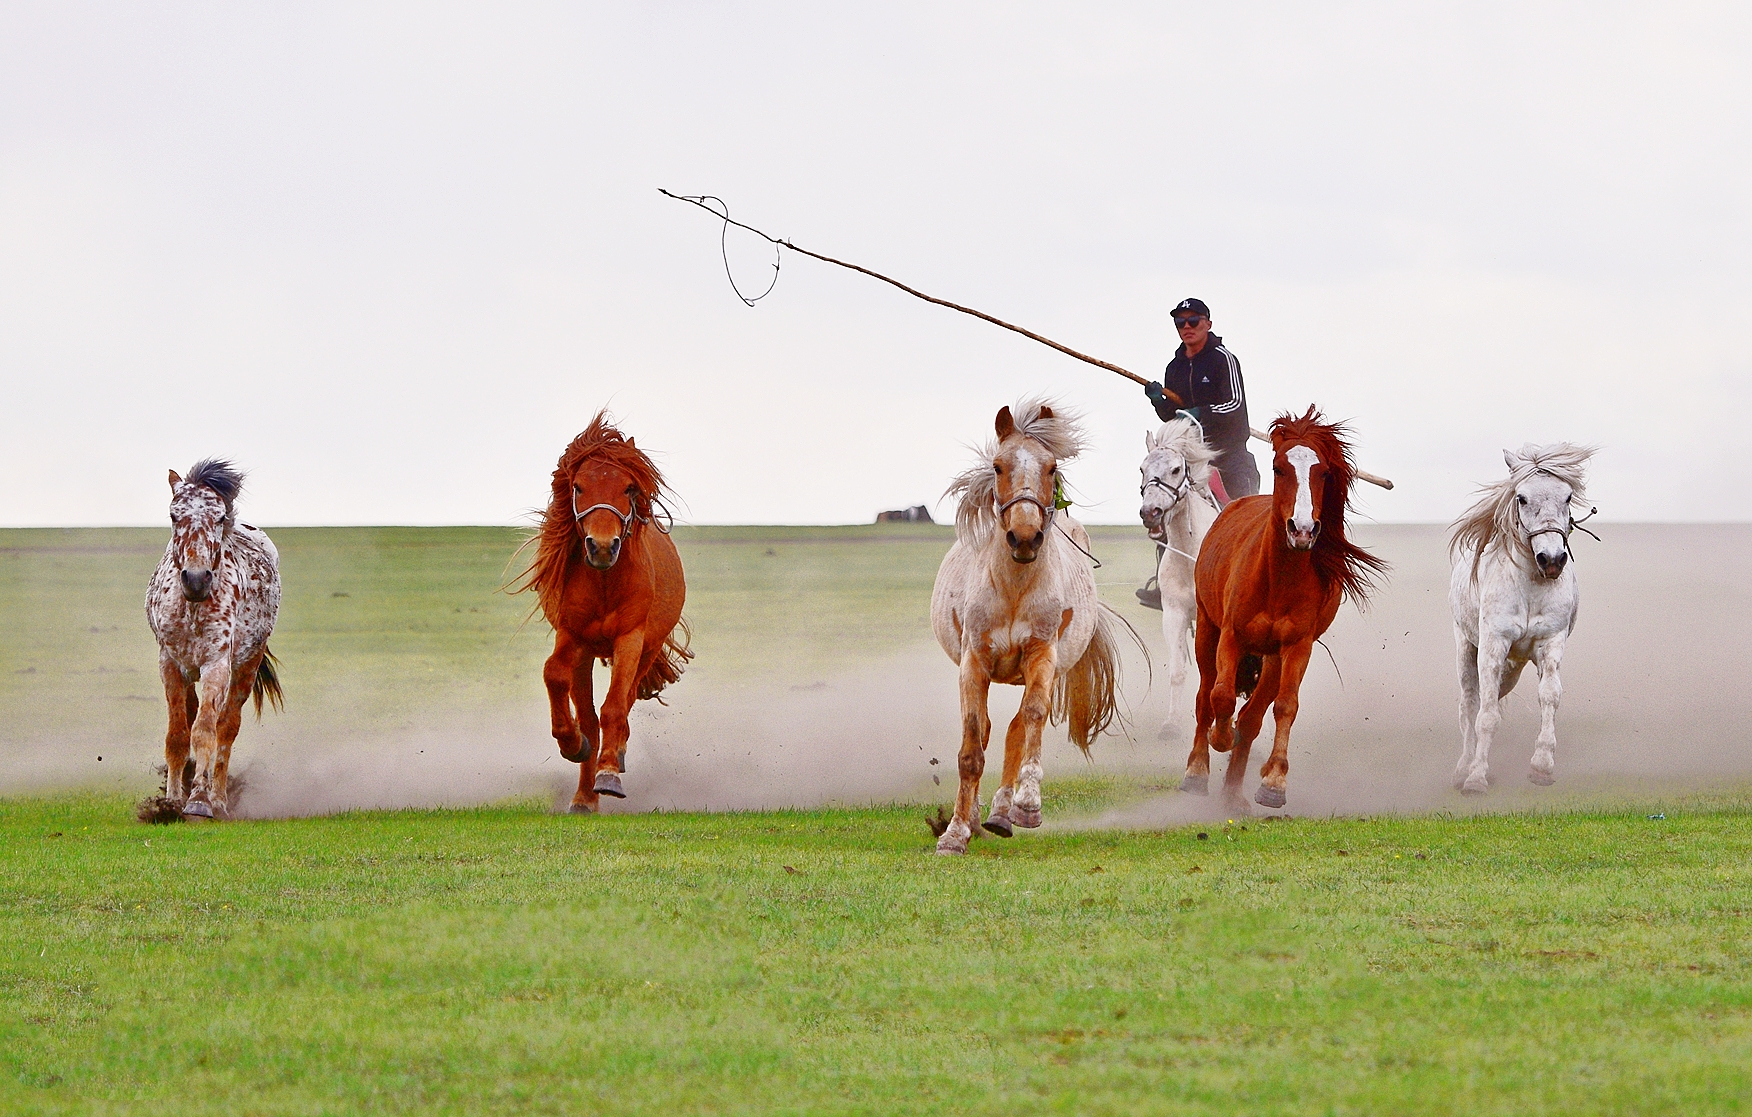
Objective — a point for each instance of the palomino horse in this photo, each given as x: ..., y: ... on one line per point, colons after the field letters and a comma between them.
x: 1015, y: 602
x: 1177, y: 511
x: 212, y: 605
x: 1271, y: 575
x: 609, y: 581
x: 1514, y: 597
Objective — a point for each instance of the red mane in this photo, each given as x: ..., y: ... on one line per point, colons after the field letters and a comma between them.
x: 1335, y: 557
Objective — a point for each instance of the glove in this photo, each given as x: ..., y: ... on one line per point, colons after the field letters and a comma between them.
x: 1192, y: 413
x: 1164, y: 409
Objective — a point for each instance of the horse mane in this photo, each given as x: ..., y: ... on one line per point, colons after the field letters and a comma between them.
x: 1061, y: 435
x: 556, y: 539
x: 1492, y: 516
x: 1186, y: 438
x: 220, y: 476
x: 1335, y: 557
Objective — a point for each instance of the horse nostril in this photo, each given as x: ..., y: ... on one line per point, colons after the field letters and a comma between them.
x: 1010, y: 538
x: 1039, y: 537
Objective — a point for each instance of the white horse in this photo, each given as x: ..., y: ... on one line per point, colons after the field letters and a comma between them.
x: 1178, y: 509
x: 1514, y: 597
x: 1015, y: 602
x: 212, y: 605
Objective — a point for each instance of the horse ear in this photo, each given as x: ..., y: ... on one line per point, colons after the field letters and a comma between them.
x: 1045, y: 411
x: 1006, y: 423
x: 175, y: 480
x: 1513, y: 459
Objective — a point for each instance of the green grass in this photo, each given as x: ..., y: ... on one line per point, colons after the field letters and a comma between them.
x: 508, y: 960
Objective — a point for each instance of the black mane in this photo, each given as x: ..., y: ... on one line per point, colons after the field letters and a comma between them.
x: 220, y: 476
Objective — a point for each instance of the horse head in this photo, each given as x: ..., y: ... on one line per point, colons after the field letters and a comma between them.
x: 1298, y: 491
x: 1176, y: 462
x: 601, y: 489
x: 1542, y: 512
x: 1026, y: 473
x: 202, y: 514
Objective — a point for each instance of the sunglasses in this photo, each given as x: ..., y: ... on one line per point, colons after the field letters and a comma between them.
x: 1188, y: 322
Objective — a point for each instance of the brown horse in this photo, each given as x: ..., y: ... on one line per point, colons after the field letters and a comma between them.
x: 610, y: 583
x: 1271, y: 575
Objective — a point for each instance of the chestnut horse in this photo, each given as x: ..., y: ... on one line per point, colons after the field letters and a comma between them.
x: 1271, y: 575
x: 609, y: 581
x: 212, y: 605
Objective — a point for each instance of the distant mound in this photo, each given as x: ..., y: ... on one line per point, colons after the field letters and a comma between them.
x: 917, y: 514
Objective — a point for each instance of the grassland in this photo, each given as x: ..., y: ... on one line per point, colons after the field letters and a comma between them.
x: 510, y: 960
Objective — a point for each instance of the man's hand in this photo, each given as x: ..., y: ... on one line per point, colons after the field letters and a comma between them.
x: 1153, y: 391
x: 1158, y: 398
x: 1191, y: 413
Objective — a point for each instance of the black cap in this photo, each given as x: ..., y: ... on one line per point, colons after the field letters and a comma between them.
x: 1192, y: 306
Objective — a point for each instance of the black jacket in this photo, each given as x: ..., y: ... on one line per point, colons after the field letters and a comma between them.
x: 1210, y: 384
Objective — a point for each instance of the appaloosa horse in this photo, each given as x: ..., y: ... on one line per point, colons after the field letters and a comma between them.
x: 1178, y: 509
x: 1015, y: 602
x: 1514, y: 597
x: 212, y: 605
x: 609, y: 581
x: 1271, y: 575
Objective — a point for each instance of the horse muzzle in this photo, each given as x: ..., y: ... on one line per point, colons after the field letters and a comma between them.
x: 602, y: 555
x: 1025, y: 550
x: 197, y: 584
x: 1301, y: 537
x: 1551, y: 565
x: 1153, y: 518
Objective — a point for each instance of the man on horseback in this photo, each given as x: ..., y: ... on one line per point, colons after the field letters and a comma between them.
x: 1207, y: 378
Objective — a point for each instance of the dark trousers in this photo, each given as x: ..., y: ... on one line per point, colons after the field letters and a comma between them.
x: 1240, y: 474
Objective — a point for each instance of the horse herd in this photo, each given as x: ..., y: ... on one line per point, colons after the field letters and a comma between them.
x: 1255, y: 583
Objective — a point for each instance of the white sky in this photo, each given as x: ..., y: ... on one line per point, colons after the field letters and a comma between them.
x: 389, y: 259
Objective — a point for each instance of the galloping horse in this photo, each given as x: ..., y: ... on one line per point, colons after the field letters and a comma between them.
x: 1271, y: 575
x: 609, y: 581
x: 1177, y: 511
x: 1514, y: 597
x: 212, y: 605
x: 1014, y: 602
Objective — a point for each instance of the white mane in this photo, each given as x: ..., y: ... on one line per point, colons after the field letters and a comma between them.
x: 1492, y: 517
x: 1061, y: 436
x: 1182, y: 436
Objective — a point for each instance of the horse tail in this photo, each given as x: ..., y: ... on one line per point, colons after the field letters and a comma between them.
x: 1087, y: 696
x: 267, y: 684
x: 667, y: 666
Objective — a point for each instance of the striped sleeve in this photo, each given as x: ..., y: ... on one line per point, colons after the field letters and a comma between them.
x: 1237, y: 398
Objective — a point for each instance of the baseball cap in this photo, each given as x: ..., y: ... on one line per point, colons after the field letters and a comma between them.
x: 1192, y: 306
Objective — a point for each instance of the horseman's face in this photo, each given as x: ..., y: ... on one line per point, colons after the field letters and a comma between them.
x: 1025, y: 475
x: 1298, y: 492
x: 1542, y: 507
x: 604, y: 532
x: 1194, y: 330
x: 1164, y: 486
x: 199, y: 523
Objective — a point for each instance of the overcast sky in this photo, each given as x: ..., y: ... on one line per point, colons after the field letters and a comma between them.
x: 390, y: 259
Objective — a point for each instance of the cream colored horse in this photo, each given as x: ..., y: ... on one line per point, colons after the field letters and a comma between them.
x: 1015, y: 603
x: 1177, y: 509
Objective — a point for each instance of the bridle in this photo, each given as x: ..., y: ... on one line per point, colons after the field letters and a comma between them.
x: 1049, y: 512
x: 1570, y: 524
x: 627, y: 519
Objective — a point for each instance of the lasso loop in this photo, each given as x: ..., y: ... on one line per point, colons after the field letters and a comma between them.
x: 723, y: 211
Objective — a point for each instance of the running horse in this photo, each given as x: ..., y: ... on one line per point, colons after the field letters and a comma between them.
x: 212, y: 605
x: 1271, y: 575
x: 1015, y: 602
x: 1177, y: 510
x: 608, y: 579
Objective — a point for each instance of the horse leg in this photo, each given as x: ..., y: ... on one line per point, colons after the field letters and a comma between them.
x: 1493, y: 654
x: 623, y: 684
x: 559, y: 673
x: 180, y: 699
x: 1468, y: 656
x: 204, y: 738
x: 585, y: 800
x: 1198, y: 762
x: 1292, y: 665
x: 1003, y: 803
x: 230, y: 721
x: 976, y: 730
x: 1176, y: 625
x: 1223, y: 692
x: 1547, y: 657
x: 1039, y: 669
x: 1247, y: 728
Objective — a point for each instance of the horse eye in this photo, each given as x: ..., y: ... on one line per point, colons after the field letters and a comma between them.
x: 1519, y: 499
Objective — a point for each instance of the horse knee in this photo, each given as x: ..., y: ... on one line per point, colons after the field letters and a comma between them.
x: 1035, y: 710
x: 971, y: 764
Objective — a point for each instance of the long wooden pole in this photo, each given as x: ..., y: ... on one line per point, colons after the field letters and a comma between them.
x: 980, y: 314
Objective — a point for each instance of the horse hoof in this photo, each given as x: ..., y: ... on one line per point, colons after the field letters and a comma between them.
x: 194, y: 808
x: 607, y: 783
x: 1028, y: 819
x: 1475, y: 785
x: 580, y: 808
x: 1268, y: 796
x: 1196, y: 785
x: 999, y: 825
x: 1543, y: 779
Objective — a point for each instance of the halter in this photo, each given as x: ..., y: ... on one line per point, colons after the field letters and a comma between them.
x: 1570, y: 525
x: 1047, y: 511
x: 1178, y: 492
x: 628, y: 518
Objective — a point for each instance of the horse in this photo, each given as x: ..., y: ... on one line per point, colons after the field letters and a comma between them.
x: 1014, y: 602
x: 1271, y: 575
x: 1514, y: 596
x: 212, y: 605
x: 1178, y: 509
x: 609, y: 581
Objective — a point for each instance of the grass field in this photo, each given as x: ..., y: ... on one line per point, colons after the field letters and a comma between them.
x: 510, y: 960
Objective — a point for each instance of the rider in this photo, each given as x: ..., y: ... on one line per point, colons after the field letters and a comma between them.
x: 1207, y: 378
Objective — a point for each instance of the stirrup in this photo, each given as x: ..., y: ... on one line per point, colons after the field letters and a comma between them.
x: 1150, y: 594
